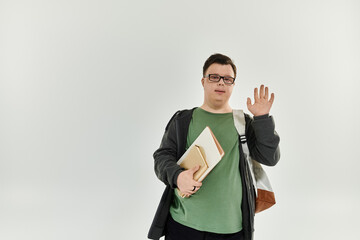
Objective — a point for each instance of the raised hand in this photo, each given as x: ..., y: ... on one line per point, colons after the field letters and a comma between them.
x: 262, y: 104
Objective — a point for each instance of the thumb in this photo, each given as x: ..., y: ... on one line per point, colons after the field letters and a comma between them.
x: 248, y: 101
x: 195, y: 169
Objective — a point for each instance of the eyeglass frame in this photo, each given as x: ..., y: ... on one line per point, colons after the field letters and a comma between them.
x: 221, y: 77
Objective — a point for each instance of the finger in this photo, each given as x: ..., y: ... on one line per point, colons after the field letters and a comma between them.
x: 262, y: 91
x: 188, y: 192
x: 183, y: 194
x: 266, y: 93
x: 248, y: 102
x: 196, y: 184
x: 192, y: 190
x: 256, y: 96
x: 272, y: 98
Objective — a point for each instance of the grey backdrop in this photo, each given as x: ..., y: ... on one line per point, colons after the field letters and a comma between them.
x: 87, y: 87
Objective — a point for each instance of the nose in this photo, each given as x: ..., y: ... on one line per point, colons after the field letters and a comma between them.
x: 219, y: 82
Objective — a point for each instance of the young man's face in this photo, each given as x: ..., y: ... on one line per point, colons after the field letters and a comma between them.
x: 217, y: 94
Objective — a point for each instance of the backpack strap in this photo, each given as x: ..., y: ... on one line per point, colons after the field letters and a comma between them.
x: 265, y: 197
x: 240, y: 123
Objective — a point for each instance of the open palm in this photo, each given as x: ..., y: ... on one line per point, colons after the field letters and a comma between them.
x: 262, y: 103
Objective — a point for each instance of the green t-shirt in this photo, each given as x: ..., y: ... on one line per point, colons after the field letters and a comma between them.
x: 216, y: 206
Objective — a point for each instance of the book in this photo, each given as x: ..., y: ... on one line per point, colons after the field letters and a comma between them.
x: 194, y: 158
x: 205, y: 151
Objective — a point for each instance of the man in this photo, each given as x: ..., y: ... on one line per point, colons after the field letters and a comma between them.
x: 222, y: 206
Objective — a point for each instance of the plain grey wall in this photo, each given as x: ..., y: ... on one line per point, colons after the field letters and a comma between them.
x: 87, y: 87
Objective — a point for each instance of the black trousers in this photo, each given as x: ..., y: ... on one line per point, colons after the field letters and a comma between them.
x: 177, y: 231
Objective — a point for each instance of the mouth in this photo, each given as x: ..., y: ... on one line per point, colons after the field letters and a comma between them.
x: 219, y: 91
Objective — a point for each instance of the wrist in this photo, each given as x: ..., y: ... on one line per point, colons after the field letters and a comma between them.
x: 176, y: 178
x: 261, y: 116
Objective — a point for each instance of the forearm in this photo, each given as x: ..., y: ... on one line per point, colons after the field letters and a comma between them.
x: 166, y: 156
x: 166, y: 168
x: 263, y: 140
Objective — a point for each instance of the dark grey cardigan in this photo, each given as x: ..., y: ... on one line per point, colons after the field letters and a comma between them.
x: 263, y: 143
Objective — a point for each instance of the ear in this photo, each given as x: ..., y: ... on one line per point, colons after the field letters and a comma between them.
x: 202, y: 82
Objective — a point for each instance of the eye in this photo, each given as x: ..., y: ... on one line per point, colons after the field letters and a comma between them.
x: 214, y: 77
x: 228, y: 79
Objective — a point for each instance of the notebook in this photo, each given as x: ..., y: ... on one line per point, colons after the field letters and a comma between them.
x: 205, y: 151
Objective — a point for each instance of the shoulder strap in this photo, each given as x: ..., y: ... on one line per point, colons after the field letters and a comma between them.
x: 259, y: 176
x: 240, y: 123
x: 265, y: 197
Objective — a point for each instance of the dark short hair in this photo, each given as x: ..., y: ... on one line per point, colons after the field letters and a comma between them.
x: 220, y: 59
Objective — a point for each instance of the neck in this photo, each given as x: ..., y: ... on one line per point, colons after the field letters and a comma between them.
x: 216, y: 109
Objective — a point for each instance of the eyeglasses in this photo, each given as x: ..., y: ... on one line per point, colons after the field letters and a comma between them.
x: 217, y: 78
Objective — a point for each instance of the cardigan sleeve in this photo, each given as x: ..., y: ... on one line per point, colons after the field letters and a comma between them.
x: 165, y: 157
x: 263, y: 140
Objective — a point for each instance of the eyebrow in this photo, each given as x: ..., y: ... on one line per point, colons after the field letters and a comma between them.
x: 224, y: 75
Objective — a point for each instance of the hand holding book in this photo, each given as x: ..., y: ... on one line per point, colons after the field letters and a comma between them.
x: 200, y: 158
x: 186, y: 182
